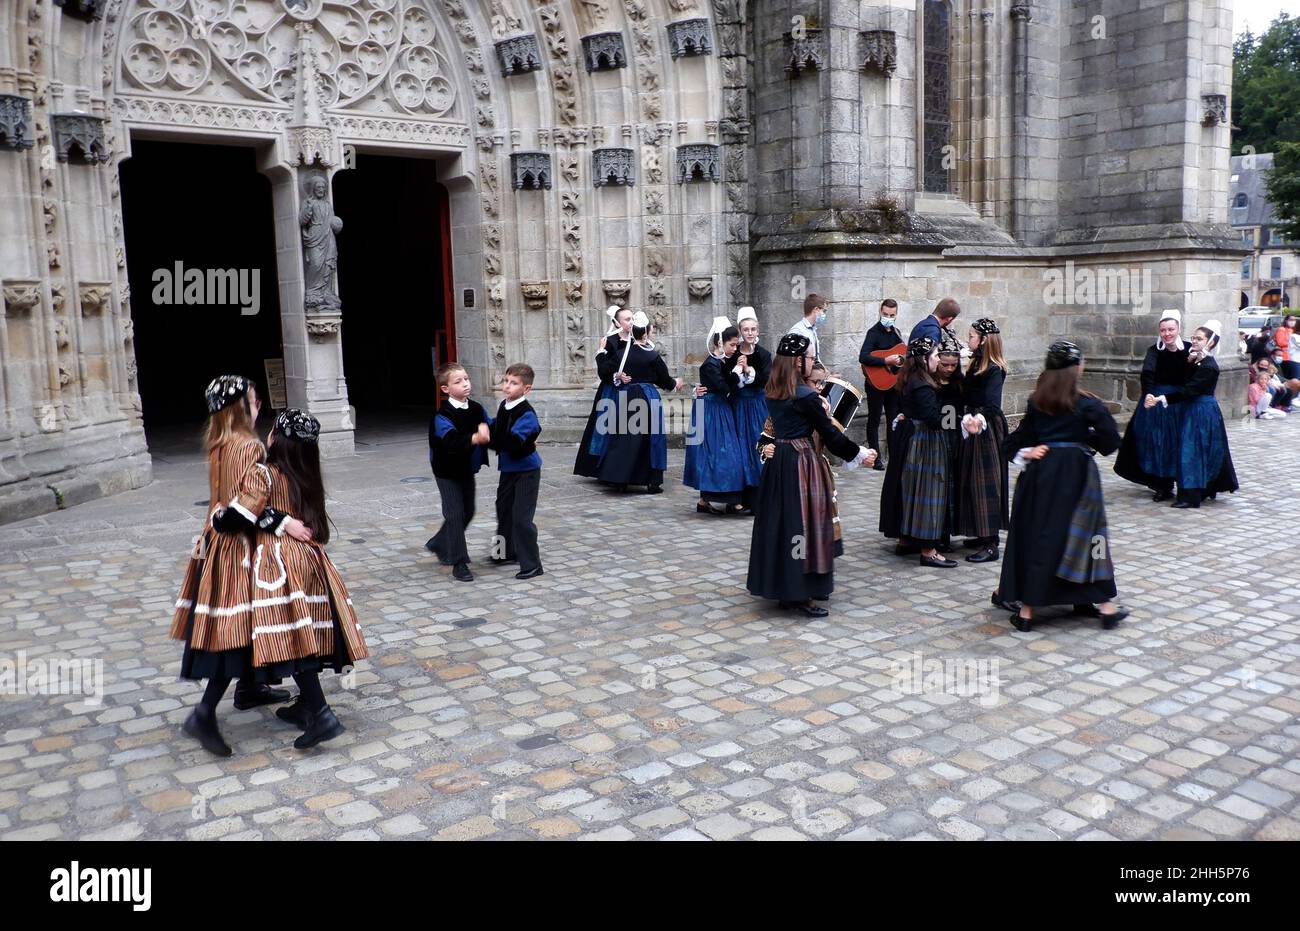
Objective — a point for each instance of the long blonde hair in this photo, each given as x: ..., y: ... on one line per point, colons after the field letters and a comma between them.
x: 232, y: 422
x: 990, y: 353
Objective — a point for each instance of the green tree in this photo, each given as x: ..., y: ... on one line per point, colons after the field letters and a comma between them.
x: 1283, y: 186
x: 1266, y: 87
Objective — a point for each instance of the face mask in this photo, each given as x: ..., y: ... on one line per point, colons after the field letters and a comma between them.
x: 887, y: 322
x: 821, y: 318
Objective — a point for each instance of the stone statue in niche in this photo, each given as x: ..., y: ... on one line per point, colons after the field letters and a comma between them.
x: 320, y: 253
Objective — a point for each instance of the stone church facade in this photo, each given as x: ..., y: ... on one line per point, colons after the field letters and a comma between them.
x: 1061, y: 167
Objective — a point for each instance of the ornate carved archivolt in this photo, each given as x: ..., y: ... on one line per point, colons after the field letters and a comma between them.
x: 697, y: 162
x: 879, y: 49
x: 604, y: 51
x: 530, y: 171
x: 79, y: 137
x: 21, y: 296
x: 519, y: 55
x: 689, y: 37
x: 15, y: 122
x: 613, y: 166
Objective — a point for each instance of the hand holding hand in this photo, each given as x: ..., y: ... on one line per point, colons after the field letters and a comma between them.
x: 701, y: 391
x: 1149, y: 401
x: 298, y: 530
x: 680, y: 383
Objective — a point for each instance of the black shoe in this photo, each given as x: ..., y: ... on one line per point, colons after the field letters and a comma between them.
x: 1087, y: 610
x: 1111, y: 621
x: 938, y: 562
x: 254, y: 696
x: 998, y: 602
x: 988, y: 554
x: 295, y: 714
x: 1162, y: 496
x: 530, y: 574
x: 806, y: 607
x: 904, y: 549
x: 1184, y: 504
x: 1212, y: 496
x: 501, y: 562
x: 1022, y: 624
x: 204, y: 730
x: 324, y: 726
x: 460, y: 572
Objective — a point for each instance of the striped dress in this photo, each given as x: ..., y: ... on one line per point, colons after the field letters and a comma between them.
x: 214, y: 608
x: 301, y: 607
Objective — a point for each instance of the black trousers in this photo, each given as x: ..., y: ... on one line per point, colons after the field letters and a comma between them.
x: 516, y: 505
x: 877, y: 401
x: 448, y: 544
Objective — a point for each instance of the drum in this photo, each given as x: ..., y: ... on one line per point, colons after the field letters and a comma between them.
x: 844, y: 400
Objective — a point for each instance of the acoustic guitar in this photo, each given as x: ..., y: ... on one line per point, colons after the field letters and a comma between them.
x: 884, y: 377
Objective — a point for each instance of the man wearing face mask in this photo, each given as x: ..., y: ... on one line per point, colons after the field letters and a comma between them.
x: 882, y: 335
x: 814, y: 315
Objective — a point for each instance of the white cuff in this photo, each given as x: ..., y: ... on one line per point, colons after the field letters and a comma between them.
x: 1020, y: 459
x: 1162, y: 400
x: 234, y: 503
x: 279, y: 531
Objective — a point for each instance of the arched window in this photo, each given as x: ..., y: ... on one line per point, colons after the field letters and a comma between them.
x: 936, y: 114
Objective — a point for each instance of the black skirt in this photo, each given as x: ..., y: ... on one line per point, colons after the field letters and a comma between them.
x: 586, y: 463
x: 238, y: 663
x: 776, y: 568
x: 891, y: 491
x: 1042, y: 513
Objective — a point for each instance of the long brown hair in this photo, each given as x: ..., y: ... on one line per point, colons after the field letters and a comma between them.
x: 298, y: 461
x: 786, y: 376
x: 989, y: 353
x: 914, y: 366
x: 232, y: 422
x: 1057, y: 390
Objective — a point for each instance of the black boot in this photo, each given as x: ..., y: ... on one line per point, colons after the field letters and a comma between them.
x: 256, y: 694
x: 295, y: 714
x: 323, y: 726
x: 203, y: 728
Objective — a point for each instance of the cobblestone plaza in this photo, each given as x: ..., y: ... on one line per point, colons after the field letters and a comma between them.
x: 637, y: 691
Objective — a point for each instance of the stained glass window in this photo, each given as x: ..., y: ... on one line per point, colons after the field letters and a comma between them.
x: 934, y: 95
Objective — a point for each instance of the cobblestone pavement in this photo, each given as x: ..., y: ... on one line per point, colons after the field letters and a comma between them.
x: 637, y: 691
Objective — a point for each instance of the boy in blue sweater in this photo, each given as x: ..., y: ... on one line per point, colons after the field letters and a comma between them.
x: 458, y: 443
x: 514, y: 438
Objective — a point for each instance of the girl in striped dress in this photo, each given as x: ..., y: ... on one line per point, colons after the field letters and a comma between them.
x: 214, y: 610
x: 302, y: 613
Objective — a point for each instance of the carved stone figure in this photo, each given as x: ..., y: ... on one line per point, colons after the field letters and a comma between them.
x: 320, y: 254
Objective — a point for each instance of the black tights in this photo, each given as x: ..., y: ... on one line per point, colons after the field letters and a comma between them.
x: 312, y: 695
x: 212, y: 695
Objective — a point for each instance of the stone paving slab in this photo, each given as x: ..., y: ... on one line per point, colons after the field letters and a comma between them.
x: 637, y: 691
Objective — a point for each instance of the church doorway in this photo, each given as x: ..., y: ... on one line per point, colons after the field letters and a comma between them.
x: 394, y: 280
x: 200, y: 251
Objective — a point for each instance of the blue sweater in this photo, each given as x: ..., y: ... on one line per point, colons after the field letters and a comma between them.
x: 514, y: 438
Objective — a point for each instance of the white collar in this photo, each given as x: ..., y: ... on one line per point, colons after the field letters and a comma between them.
x: 511, y: 405
x: 459, y: 405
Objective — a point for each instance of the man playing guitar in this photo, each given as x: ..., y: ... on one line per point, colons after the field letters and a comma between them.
x: 881, y: 355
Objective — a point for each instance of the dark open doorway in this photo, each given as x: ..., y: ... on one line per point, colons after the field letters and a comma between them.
x: 394, y: 257
x: 200, y: 242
